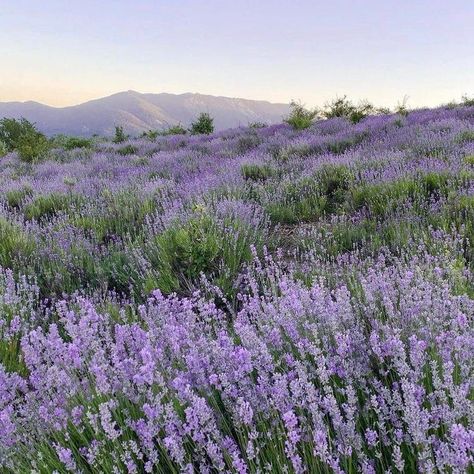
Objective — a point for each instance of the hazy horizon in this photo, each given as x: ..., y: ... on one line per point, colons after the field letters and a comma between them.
x: 64, y: 54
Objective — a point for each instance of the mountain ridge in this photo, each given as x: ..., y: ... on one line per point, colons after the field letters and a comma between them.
x: 138, y: 112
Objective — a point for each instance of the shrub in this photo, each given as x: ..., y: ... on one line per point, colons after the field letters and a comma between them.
x: 217, y: 248
x: 338, y: 107
x: 465, y: 136
x: 3, y: 149
x: 32, y: 147
x: 11, y: 130
x: 401, y: 108
x: 467, y: 101
x: 469, y: 160
x: 204, y: 125
x: 70, y: 143
x: 300, y: 117
x: 334, y: 182
x: 15, y: 197
x: 343, y: 107
x: 120, y: 136
x: 178, y: 130
x: 22, y: 135
x: 127, y: 150
x: 152, y: 135
x: 14, y: 243
x: 47, y: 205
x: 76, y: 142
x: 255, y: 172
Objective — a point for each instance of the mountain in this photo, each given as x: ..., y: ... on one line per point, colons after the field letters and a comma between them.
x: 137, y: 112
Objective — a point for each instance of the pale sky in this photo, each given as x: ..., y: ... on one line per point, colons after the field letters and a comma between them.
x: 62, y: 52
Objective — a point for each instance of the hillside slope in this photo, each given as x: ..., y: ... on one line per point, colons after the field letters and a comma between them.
x: 138, y: 112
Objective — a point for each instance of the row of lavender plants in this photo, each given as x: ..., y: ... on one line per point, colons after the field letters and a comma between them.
x: 256, y: 300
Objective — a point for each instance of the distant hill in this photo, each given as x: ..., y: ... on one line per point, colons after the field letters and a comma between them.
x: 137, y: 112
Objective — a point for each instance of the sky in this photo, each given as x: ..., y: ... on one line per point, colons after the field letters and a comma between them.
x: 63, y: 52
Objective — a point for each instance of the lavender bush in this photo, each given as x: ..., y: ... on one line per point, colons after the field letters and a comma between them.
x: 262, y: 299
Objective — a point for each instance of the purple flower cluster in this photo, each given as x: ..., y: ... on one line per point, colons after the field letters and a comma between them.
x: 343, y: 344
x: 297, y: 373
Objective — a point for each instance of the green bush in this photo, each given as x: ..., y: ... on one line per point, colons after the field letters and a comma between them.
x: 343, y: 107
x: 3, y: 149
x: 14, y: 243
x: 15, y: 197
x: 32, y: 147
x: 217, y: 249
x: 178, y: 130
x: 469, y: 160
x: 22, y: 136
x: 70, y: 143
x: 120, y: 136
x: 301, y: 201
x: 402, y: 108
x: 300, y: 117
x: 335, y: 181
x: 48, y: 205
x: 465, y: 136
x: 152, y: 135
x: 127, y: 150
x: 76, y: 142
x: 382, y: 198
x: 467, y: 101
x: 255, y: 172
x: 204, y: 125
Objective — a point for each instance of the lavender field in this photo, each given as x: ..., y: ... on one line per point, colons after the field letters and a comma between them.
x: 257, y: 300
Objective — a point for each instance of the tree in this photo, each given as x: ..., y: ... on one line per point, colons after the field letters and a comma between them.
x: 204, y: 124
x: 22, y: 136
x: 300, y: 117
x: 120, y: 136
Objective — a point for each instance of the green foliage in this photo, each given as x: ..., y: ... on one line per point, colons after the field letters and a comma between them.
x: 22, y: 136
x: 3, y: 149
x: 152, y: 135
x: 469, y: 160
x: 334, y: 181
x: 310, y: 199
x: 385, y: 198
x: 201, y: 245
x: 70, y: 143
x: 254, y: 172
x: 179, y: 130
x: 127, y: 150
x: 467, y: 101
x: 120, y: 136
x: 47, y: 205
x: 465, y: 136
x: 77, y: 142
x: 11, y: 130
x: 31, y: 148
x: 121, y: 214
x: 300, y: 117
x: 204, y: 125
x: 15, y: 197
x: 14, y: 244
x: 343, y: 107
x: 402, y: 107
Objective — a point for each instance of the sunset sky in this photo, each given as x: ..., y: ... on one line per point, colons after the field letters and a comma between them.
x: 63, y: 52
